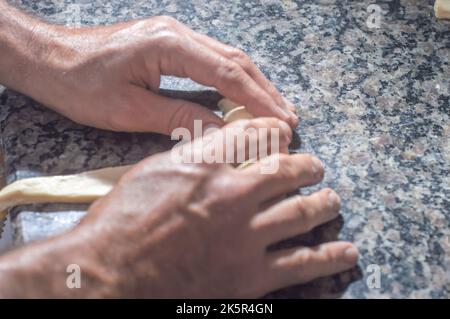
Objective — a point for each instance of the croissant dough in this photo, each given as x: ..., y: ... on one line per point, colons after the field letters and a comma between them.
x: 442, y: 9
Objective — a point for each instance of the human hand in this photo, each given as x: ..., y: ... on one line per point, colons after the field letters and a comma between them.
x: 108, y: 76
x: 208, y: 238
x: 171, y: 229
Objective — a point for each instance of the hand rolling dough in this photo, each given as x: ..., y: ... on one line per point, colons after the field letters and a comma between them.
x: 442, y: 9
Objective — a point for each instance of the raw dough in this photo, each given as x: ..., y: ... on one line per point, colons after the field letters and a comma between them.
x: 226, y: 105
x: 247, y: 163
x: 442, y: 9
x: 79, y: 188
x: 235, y: 114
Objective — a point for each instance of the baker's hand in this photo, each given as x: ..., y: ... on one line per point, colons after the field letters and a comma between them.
x: 170, y: 229
x: 202, y: 230
x: 109, y: 76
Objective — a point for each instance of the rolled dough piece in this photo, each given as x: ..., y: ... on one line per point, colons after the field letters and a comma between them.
x: 79, y: 188
x: 238, y: 113
x: 233, y: 112
x: 85, y: 187
x: 442, y: 9
x: 247, y: 163
x: 226, y: 105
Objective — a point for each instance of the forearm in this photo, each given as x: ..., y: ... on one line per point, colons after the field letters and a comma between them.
x: 16, y: 33
x: 27, y: 49
x: 40, y: 270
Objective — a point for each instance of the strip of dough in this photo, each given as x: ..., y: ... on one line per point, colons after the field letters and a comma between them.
x: 226, y: 105
x: 78, y: 188
x: 235, y: 114
x: 442, y: 9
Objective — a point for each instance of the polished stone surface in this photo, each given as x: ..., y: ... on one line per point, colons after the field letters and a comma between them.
x: 374, y: 103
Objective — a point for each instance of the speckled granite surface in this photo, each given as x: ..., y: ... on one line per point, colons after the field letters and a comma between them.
x: 375, y: 107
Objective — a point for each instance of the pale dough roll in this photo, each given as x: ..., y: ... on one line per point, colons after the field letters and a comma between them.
x: 442, y: 9
x: 226, y: 105
x: 247, y: 163
x: 233, y: 112
x: 238, y: 113
x: 79, y: 188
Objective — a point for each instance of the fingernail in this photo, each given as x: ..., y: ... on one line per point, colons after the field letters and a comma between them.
x: 351, y: 255
x: 317, y: 166
x: 333, y: 200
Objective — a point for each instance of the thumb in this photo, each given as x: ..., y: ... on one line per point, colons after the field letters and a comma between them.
x: 150, y: 112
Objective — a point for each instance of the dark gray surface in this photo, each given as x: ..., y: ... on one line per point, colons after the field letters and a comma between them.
x: 374, y: 105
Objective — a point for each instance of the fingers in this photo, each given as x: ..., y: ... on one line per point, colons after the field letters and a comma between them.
x: 145, y: 111
x: 300, y: 265
x: 288, y: 174
x: 247, y: 64
x: 296, y: 215
x: 242, y: 140
x: 208, y: 67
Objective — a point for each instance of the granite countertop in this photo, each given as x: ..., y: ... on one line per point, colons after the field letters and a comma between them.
x: 374, y: 103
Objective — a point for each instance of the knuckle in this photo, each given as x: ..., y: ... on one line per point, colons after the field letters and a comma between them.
x: 240, y: 57
x: 229, y: 73
x: 304, y: 214
x: 288, y: 170
x: 115, y: 122
x: 169, y: 40
x: 310, y: 166
x: 162, y: 32
x: 164, y: 22
x: 228, y: 191
x: 236, y: 188
x: 299, y: 204
x: 304, y: 258
x: 329, y: 256
x: 266, y: 122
